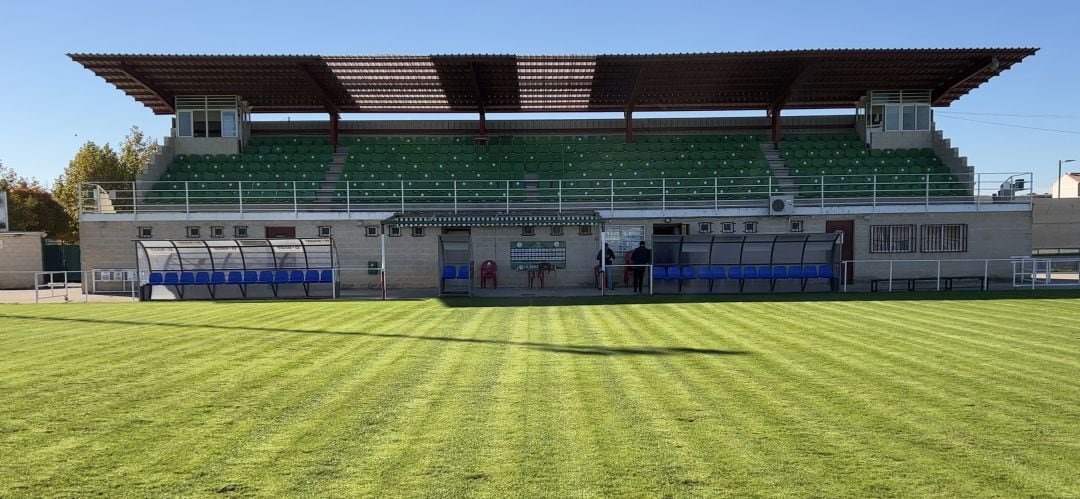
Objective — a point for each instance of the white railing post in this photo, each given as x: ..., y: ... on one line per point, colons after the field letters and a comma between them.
x: 134, y: 198
x: 822, y: 191
x: 561, y: 196
x: 455, y: 195
x: 295, y: 207
x: 611, y: 202
x: 240, y: 194
x: 890, y: 275
x: 975, y: 188
x: 770, y: 186
x: 402, y: 191
x: 507, y: 196
x: 187, y: 197
x: 928, y: 190
x: 986, y: 275
x: 663, y: 194
x: 937, y: 280
x: 715, y: 195
x: 873, y: 192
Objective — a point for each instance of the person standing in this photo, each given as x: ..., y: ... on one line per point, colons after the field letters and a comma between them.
x: 640, y: 257
x: 609, y: 260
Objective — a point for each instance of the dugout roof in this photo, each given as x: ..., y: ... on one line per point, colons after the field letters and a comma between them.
x: 807, y: 79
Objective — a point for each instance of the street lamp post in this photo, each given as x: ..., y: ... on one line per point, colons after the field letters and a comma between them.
x: 1061, y: 162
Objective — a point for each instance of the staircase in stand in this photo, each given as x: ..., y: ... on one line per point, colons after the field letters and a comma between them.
x: 325, y: 193
x: 780, y: 170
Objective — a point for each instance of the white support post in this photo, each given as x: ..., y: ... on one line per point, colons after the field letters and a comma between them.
x: 975, y: 188
x: 927, y: 190
x: 382, y: 262
x: 348, y: 198
x: 603, y: 265
x: 240, y: 194
x: 890, y: 275
x: 986, y: 275
x: 402, y: 191
x: 134, y: 198
x: 938, y: 277
x: 455, y: 196
x: 295, y: 207
x: 187, y: 198
x: 508, y: 197
x: 715, y: 195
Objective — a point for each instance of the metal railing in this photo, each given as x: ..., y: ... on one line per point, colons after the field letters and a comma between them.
x: 404, y: 195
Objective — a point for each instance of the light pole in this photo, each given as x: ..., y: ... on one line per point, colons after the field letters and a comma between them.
x: 1061, y: 162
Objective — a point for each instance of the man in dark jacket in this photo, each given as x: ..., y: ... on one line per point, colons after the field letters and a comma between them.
x: 639, y: 257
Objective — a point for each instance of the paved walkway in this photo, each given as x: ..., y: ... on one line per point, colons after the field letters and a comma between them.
x: 58, y: 295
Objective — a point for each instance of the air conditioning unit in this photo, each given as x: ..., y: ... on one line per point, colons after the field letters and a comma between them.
x: 781, y: 205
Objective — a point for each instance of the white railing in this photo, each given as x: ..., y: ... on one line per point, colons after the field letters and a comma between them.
x: 558, y: 195
x: 941, y: 274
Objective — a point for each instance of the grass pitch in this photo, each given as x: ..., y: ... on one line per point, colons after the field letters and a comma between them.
x: 946, y: 397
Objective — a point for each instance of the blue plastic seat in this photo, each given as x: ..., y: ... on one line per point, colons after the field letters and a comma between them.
x: 779, y: 272
x: 311, y: 276
x: 235, y: 277
x: 463, y: 272
x: 266, y: 277
x: 296, y: 277
x: 764, y: 272
x: 281, y: 277
x: 217, y: 278
x: 448, y: 272
x: 659, y: 273
x: 251, y: 276
x: 735, y: 272
x: 794, y: 272
x: 809, y: 272
x: 716, y: 272
x: 673, y: 272
x: 156, y: 278
x: 186, y: 278
x: 326, y: 276
x: 171, y: 278
x: 825, y: 271
x: 202, y: 278
x: 749, y: 272
x: 689, y: 272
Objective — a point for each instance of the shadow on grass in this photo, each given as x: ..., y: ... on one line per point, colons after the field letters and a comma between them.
x: 592, y: 350
x: 556, y: 301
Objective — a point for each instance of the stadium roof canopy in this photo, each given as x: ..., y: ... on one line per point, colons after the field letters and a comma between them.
x: 806, y: 79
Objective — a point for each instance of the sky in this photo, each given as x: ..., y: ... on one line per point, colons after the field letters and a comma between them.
x: 50, y: 106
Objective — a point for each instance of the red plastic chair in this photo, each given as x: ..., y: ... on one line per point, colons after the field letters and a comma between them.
x: 488, y: 269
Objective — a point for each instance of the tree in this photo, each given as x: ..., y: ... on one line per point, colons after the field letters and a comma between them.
x: 103, y: 164
x: 136, y: 152
x: 32, y: 208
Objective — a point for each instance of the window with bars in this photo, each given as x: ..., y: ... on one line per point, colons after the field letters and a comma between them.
x: 944, y: 238
x: 892, y: 238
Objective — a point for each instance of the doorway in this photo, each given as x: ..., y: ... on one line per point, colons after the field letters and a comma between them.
x: 670, y: 229
x: 847, y: 250
x: 281, y: 232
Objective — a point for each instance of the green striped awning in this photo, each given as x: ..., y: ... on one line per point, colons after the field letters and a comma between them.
x: 492, y: 220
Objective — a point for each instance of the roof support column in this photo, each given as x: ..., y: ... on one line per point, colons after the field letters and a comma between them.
x: 483, y: 124
x: 628, y: 116
x: 774, y: 123
x: 334, y: 118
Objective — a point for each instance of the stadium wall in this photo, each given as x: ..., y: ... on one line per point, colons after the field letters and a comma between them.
x: 21, y: 254
x: 1056, y: 223
x: 412, y: 261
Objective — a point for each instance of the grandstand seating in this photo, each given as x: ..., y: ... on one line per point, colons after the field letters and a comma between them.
x: 840, y: 165
x: 269, y: 169
x: 584, y: 166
